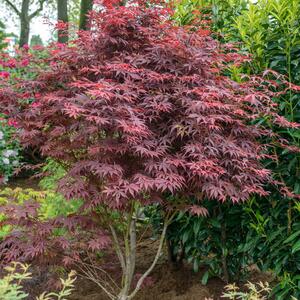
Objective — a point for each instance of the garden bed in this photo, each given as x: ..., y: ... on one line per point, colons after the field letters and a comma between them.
x: 164, y: 283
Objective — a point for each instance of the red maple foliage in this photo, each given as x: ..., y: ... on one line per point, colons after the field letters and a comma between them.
x: 137, y: 108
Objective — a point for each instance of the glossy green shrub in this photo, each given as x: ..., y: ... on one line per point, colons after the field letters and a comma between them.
x: 213, y: 242
x: 267, y: 229
x: 270, y: 31
x: 273, y: 239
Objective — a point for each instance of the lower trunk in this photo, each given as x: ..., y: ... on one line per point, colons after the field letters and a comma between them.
x: 175, y: 261
x: 24, y: 32
x: 62, y: 15
x: 127, y: 258
x: 25, y: 23
x: 130, y: 253
x: 85, y: 7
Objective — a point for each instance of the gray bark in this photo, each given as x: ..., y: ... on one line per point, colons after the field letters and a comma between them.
x: 25, y: 23
x: 62, y: 15
x: 130, y: 257
x: 25, y: 18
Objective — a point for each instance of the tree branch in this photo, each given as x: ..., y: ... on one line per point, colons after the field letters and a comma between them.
x: 96, y: 268
x: 13, y: 7
x: 118, y: 248
x: 35, y: 13
x: 90, y: 276
x: 130, y: 257
x: 94, y: 273
x: 161, y: 242
x: 132, y: 249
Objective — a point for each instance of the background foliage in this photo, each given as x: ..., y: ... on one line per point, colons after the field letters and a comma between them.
x: 267, y: 230
x: 9, y: 149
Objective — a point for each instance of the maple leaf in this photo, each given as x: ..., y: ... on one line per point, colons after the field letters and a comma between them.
x: 283, y: 122
x: 72, y: 110
x: 198, y: 211
x: 98, y: 243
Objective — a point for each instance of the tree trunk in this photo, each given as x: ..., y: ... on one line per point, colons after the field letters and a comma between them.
x: 130, y: 256
x: 25, y: 23
x: 85, y: 7
x: 62, y: 15
x: 175, y: 261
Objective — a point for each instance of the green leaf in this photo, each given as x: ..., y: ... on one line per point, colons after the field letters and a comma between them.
x: 180, y: 215
x: 297, y: 188
x: 296, y: 134
x: 196, y: 227
x: 292, y: 237
x: 215, y: 223
x: 205, y: 278
x: 185, y: 236
x: 296, y: 247
x: 196, y: 265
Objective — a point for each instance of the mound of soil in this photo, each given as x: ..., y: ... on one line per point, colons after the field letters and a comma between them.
x: 165, y: 282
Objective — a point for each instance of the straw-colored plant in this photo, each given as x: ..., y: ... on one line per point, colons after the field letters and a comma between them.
x: 259, y: 291
x: 16, y: 273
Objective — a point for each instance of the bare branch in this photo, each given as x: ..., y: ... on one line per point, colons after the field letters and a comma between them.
x: 96, y: 268
x: 141, y: 280
x: 90, y: 276
x: 94, y: 274
x: 143, y: 234
x: 35, y: 13
x: 117, y: 247
x: 9, y: 3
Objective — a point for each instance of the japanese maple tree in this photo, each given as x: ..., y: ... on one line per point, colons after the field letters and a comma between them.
x: 139, y: 111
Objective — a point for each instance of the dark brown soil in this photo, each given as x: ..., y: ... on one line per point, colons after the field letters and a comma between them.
x: 168, y: 284
x: 165, y: 283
